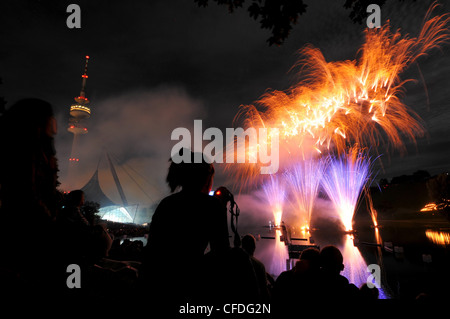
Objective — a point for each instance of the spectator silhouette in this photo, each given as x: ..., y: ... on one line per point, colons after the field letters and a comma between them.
x: 28, y: 194
x: 299, y: 283
x: 228, y: 277
x: 182, y: 226
x: 127, y: 250
x: 249, y: 246
x: 80, y: 241
x: 72, y: 210
x: 73, y: 229
x: 333, y: 286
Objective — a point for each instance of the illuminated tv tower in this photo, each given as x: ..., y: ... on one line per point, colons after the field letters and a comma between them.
x: 79, y: 113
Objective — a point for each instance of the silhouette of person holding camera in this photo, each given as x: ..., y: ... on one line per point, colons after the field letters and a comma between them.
x: 182, y: 226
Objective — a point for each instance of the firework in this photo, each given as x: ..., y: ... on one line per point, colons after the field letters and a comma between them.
x: 275, y: 195
x: 344, y: 181
x: 304, y: 180
x: 335, y: 108
x: 339, y: 104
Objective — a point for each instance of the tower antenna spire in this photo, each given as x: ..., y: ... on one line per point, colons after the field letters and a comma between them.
x: 84, y: 76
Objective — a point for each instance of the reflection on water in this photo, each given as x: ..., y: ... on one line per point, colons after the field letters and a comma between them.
x: 355, y: 266
x: 438, y: 237
x: 279, y: 256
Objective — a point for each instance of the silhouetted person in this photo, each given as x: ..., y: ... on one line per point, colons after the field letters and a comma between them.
x: 182, y: 226
x: 80, y: 241
x: 298, y: 284
x: 249, y: 246
x: 73, y: 229
x: 333, y: 286
x: 72, y: 208
x: 28, y: 194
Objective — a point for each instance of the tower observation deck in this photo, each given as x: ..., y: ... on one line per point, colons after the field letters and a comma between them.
x: 80, y: 110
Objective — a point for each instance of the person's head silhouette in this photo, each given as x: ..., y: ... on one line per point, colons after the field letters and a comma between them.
x: 35, y: 117
x: 309, y: 260
x: 249, y: 244
x: 75, y: 198
x: 331, y: 259
x: 194, y: 174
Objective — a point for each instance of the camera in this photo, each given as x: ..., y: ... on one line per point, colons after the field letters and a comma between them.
x: 223, y: 194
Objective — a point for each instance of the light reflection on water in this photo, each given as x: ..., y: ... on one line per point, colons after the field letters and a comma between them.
x: 279, y: 256
x: 441, y: 238
x: 354, y: 264
x: 355, y: 267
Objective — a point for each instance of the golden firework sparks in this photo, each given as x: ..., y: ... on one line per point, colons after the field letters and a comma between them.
x: 342, y: 103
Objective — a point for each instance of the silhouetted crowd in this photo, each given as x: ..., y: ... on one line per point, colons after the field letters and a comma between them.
x: 46, y: 231
x: 117, y: 229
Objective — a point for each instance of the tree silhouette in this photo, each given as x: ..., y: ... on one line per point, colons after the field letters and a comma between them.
x: 280, y: 15
x: 439, y: 192
x: 439, y: 188
x: 91, y: 212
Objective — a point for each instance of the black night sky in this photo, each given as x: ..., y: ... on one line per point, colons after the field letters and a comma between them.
x: 158, y: 65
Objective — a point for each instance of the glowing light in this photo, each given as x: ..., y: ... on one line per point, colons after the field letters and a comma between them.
x: 304, y: 179
x: 116, y: 214
x: 343, y: 182
x: 343, y: 103
x: 80, y: 108
x: 438, y: 237
x: 429, y: 207
x: 275, y: 195
x: 279, y: 255
x: 354, y: 264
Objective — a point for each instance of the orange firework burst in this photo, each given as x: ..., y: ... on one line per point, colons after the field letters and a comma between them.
x: 340, y: 104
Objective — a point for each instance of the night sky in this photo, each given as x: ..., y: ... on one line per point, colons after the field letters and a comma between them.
x: 158, y: 65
